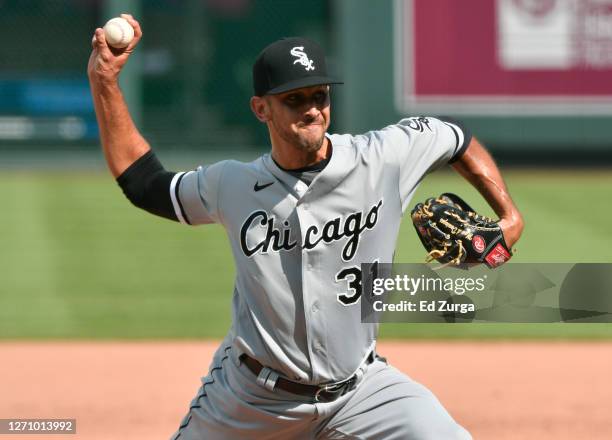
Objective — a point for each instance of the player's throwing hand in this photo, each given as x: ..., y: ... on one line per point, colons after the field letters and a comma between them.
x: 106, y: 62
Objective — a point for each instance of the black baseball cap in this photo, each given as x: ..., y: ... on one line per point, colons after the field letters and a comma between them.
x: 290, y: 63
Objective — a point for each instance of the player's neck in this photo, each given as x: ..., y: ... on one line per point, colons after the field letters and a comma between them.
x: 290, y: 157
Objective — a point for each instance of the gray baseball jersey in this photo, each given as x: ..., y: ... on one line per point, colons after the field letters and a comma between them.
x: 298, y: 248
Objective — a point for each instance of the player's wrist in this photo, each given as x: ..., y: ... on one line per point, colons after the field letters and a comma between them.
x: 106, y: 79
x: 103, y: 86
x: 512, y: 228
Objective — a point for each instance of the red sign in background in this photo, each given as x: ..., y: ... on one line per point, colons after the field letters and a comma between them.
x: 455, y: 53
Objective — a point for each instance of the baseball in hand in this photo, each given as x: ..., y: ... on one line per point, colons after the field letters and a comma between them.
x: 118, y: 32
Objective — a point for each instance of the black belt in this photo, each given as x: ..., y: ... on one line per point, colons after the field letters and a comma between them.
x: 319, y: 393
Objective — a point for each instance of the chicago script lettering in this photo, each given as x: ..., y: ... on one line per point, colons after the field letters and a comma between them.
x: 278, y: 240
x: 350, y: 227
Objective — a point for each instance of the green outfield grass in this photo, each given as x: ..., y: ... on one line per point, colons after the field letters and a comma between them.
x: 78, y: 261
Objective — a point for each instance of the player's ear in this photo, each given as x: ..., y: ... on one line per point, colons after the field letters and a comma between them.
x: 260, y: 108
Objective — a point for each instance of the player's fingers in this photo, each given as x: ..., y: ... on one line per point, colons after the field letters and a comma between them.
x: 101, y: 46
x: 136, y: 25
x: 94, y: 40
x: 133, y: 22
x: 99, y: 40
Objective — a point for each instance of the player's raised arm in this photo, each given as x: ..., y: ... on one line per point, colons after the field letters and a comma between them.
x: 478, y: 167
x: 121, y: 141
x: 131, y: 161
x: 189, y: 198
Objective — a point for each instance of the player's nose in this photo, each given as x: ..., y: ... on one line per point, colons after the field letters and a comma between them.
x: 312, y: 113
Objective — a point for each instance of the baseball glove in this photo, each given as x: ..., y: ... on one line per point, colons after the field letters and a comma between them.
x: 454, y: 234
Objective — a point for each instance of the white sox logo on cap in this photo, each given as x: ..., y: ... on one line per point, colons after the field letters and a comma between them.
x: 302, y: 58
x: 289, y: 64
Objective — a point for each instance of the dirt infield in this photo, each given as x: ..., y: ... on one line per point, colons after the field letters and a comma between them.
x: 141, y: 390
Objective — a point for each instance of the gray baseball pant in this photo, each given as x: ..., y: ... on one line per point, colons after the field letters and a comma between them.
x: 385, y: 404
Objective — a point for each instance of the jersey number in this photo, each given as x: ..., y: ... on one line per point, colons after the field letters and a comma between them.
x: 353, y: 277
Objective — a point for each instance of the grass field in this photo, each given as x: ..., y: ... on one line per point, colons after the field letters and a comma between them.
x: 78, y: 261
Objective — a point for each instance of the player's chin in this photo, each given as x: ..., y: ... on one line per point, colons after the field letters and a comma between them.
x: 312, y: 142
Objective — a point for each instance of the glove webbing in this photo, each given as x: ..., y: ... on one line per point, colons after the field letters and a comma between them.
x: 438, y: 253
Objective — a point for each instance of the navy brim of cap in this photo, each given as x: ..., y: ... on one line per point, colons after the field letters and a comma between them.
x: 303, y: 82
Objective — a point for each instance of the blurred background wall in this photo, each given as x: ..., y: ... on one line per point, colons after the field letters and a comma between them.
x: 188, y: 85
x: 531, y: 78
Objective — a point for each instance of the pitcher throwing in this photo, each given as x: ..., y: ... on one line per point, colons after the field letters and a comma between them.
x: 297, y: 363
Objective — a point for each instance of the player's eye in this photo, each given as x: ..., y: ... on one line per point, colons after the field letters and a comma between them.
x: 320, y: 97
x: 293, y: 100
x: 296, y: 100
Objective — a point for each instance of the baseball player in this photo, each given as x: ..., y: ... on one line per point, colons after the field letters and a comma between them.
x: 297, y: 362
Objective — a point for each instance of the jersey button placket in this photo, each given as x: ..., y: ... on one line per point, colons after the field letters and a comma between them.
x: 310, y: 288
x: 316, y: 317
x: 305, y: 221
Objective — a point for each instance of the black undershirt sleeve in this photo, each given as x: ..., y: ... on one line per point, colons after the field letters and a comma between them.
x: 147, y: 185
x: 467, y: 137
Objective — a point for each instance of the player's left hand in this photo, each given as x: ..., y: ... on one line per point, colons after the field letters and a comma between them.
x: 454, y: 234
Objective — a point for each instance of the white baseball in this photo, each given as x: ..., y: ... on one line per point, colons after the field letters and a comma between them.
x: 118, y: 32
